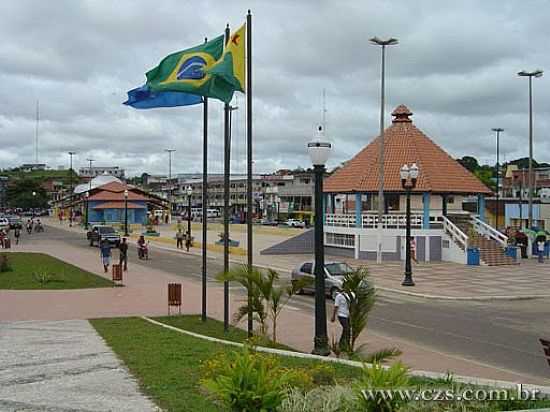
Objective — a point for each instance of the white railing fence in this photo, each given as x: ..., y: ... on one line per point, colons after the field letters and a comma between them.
x: 340, y: 220
x: 488, y: 231
x: 457, y: 235
x: 340, y: 240
x: 370, y: 220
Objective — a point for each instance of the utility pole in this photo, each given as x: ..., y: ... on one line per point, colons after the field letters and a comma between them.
x: 90, y: 161
x: 170, y: 151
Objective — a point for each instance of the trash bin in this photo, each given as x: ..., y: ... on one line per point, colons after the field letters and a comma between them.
x: 511, y: 251
x: 473, y: 256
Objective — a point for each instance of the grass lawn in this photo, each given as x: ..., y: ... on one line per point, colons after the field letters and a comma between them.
x: 167, y: 364
x: 28, y: 267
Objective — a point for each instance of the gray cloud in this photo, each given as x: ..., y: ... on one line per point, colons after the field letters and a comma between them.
x: 455, y: 67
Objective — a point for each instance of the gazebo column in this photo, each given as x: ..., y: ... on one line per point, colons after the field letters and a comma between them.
x: 426, y: 210
x: 333, y: 203
x: 358, y: 210
x: 444, y: 204
x: 481, y: 207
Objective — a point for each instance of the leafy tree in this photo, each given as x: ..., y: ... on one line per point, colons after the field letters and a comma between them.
x: 267, y: 298
x: 20, y: 194
x: 469, y: 163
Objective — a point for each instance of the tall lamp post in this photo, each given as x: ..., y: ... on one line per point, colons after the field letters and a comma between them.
x: 530, y: 75
x: 383, y: 43
x: 86, y: 196
x: 170, y: 151
x: 408, y: 181
x: 497, y: 130
x: 319, y: 151
x: 126, y: 212
x: 71, y: 154
x: 189, y: 192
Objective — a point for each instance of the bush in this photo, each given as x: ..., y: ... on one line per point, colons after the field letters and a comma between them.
x: 376, y: 378
x: 322, y: 399
x: 4, y: 264
x: 247, y: 381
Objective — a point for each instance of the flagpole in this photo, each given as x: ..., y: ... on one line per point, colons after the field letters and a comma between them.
x: 204, y: 198
x: 226, y: 171
x: 249, y: 157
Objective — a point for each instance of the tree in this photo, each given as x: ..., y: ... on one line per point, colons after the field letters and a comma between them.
x: 267, y: 299
x: 20, y: 194
x: 469, y: 163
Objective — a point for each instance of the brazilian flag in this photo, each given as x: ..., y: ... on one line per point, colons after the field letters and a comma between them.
x: 187, y: 71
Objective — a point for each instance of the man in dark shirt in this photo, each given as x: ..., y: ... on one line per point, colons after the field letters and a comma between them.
x: 123, y: 247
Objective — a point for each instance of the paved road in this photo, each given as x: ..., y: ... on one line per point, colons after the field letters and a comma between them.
x: 503, y: 334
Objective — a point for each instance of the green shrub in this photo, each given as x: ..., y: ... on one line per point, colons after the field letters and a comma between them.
x: 247, y: 381
x: 323, y: 399
x: 375, y: 378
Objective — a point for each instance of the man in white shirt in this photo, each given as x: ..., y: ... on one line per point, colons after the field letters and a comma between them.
x: 341, y: 309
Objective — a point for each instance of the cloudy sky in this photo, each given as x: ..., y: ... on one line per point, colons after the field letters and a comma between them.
x: 455, y: 68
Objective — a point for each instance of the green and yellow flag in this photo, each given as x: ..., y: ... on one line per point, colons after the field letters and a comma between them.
x: 231, y: 67
x: 188, y: 71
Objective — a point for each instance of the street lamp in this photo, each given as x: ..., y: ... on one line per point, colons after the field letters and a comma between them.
x: 408, y: 181
x: 497, y: 130
x: 383, y: 43
x: 170, y: 151
x: 33, y: 200
x: 86, y: 196
x: 189, y: 192
x: 71, y: 154
x: 319, y: 151
x: 536, y: 73
x: 126, y: 212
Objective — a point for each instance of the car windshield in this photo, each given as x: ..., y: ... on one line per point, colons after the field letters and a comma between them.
x: 338, y: 269
x: 106, y: 230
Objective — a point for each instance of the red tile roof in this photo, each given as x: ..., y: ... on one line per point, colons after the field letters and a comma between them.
x: 404, y: 143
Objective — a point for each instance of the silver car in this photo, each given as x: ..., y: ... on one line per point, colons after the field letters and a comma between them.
x: 334, y: 276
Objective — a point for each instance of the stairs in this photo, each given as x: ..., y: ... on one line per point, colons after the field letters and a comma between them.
x: 490, y: 251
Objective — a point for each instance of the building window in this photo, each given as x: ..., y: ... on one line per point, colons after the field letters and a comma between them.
x: 392, y: 201
x: 340, y: 240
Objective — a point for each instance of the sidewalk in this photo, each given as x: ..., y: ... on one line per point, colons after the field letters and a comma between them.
x: 145, y: 293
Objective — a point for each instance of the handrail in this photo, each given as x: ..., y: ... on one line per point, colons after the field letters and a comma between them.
x: 456, y: 234
x: 486, y: 230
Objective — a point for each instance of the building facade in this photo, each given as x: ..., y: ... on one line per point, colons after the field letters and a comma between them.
x: 94, y: 171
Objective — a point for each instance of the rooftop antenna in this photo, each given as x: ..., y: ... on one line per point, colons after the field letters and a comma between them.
x: 36, y: 132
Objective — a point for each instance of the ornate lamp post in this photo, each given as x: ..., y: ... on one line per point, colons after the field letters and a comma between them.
x: 408, y: 181
x: 86, y: 196
x: 126, y: 212
x: 319, y: 151
x: 498, y: 130
x: 189, y: 192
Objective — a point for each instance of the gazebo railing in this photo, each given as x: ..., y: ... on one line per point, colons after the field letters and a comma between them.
x: 370, y: 220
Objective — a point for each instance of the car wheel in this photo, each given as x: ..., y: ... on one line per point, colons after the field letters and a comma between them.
x: 333, y: 293
x: 300, y: 291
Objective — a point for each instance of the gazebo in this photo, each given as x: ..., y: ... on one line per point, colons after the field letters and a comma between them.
x: 436, y: 201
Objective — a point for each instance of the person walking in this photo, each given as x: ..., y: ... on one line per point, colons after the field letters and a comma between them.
x: 105, y: 253
x: 540, y: 250
x: 179, y: 239
x: 2, y: 238
x: 123, y: 257
x: 16, y: 235
x: 341, y: 310
x: 187, y: 240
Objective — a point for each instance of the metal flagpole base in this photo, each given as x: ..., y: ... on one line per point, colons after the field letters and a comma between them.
x: 408, y: 281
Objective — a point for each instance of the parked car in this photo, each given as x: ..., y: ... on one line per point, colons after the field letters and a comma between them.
x: 15, y: 222
x: 267, y: 222
x: 4, y: 223
x: 295, y: 223
x: 334, y: 276
x: 98, y: 233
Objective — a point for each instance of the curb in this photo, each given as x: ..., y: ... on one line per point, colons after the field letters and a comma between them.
x: 419, y: 373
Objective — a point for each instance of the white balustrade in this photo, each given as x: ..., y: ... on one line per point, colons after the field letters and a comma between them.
x: 340, y: 220
x: 391, y: 221
x: 488, y: 231
x: 455, y: 233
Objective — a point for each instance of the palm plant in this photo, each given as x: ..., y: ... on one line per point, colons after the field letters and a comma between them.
x: 361, y: 296
x: 267, y: 297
